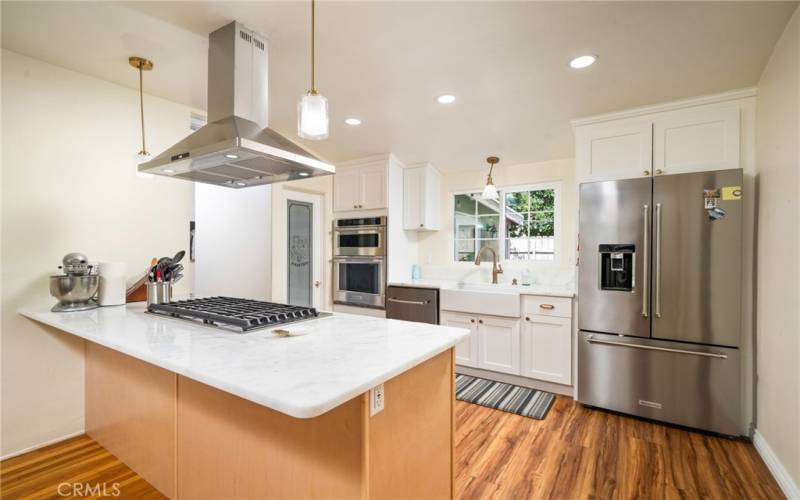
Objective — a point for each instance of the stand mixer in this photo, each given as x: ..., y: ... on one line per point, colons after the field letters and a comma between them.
x: 77, y: 287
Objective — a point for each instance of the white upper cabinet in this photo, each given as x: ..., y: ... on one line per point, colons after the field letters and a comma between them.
x: 360, y: 187
x: 695, y: 135
x: 609, y: 151
x: 696, y: 139
x: 421, y: 198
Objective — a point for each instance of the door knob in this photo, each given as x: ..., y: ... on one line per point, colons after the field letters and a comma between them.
x: 316, y: 284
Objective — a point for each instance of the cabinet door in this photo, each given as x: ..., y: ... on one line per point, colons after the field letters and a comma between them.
x: 346, y: 189
x: 498, y: 344
x: 413, y: 198
x: 696, y: 140
x: 373, y: 187
x: 614, y: 151
x: 547, y: 348
x: 467, y: 349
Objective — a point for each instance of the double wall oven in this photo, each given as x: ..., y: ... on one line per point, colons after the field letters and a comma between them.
x: 359, y: 261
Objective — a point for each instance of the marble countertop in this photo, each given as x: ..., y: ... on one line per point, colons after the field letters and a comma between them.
x: 545, y: 290
x: 338, y: 358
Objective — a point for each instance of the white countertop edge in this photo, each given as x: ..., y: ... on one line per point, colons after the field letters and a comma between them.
x: 538, y: 290
x: 311, y: 411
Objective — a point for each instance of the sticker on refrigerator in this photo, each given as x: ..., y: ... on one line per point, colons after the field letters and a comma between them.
x: 731, y: 193
x: 710, y: 198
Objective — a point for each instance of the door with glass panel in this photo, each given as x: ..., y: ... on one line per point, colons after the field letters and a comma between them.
x: 300, y: 244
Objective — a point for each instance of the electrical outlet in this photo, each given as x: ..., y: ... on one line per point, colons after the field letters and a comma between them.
x: 377, y: 400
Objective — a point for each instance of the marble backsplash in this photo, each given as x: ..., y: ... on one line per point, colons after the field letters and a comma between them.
x: 540, y: 274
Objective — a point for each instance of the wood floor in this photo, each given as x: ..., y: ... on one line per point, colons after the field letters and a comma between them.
x: 574, y: 453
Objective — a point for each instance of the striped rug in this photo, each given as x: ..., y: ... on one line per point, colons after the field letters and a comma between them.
x: 506, y: 397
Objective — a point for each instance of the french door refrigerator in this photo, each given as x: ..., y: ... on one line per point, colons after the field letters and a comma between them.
x: 659, y: 313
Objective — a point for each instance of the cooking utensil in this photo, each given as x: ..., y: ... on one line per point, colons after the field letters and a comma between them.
x: 178, y: 256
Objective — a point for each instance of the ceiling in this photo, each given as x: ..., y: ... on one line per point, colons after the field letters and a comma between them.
x: 385, y: 62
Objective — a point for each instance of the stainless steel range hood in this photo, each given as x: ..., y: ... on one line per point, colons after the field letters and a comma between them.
x: 236, y: 149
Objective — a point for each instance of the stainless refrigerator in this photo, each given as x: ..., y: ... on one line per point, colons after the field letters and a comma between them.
x: 659, y: 313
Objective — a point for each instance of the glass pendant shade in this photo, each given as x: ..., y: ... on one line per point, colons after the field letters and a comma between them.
x: 489, y: 191
x: 312, y: 117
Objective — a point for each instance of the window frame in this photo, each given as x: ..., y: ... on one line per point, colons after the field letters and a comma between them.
x: 501, y: 233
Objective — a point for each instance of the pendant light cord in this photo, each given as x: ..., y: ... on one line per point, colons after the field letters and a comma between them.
x: 141, y: 108
x: 313, y: 47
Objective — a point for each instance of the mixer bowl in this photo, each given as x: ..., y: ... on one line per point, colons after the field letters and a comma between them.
x: 74, y: 292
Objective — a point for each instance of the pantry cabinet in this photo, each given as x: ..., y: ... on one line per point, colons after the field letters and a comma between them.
x: 360, y: 187
x: 421, y: 197
x: 695, y: 135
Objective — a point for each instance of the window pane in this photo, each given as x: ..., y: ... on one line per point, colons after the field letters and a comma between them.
x: 465, y: 250
x: 543, y: 199
x: 493, y: 244
x: 488, y: 226
x: 488, y: 207
x: 465, y: 204
x: 515, y: 225
x: 541, y: 224
x: 517, y: 249
x: 517, y: 202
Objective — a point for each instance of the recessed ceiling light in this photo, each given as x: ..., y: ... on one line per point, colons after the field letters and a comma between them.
x: 231, y: 156
x: 168, y: 171
x: 446, y: 99
x: 353, y: 121
x: 302, y: 174
x: 583, y: 61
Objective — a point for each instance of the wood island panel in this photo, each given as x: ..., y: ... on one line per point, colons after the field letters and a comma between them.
x: 229, y: 447
x: 411, y: 440
x: 130, y: 411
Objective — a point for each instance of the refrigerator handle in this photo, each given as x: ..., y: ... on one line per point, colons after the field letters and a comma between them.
x: 646, y: 213
x: 657, y: 283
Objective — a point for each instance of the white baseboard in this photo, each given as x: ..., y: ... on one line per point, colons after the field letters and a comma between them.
x: 781, y: 475
x: 42, y: 445
x: 539, y: 385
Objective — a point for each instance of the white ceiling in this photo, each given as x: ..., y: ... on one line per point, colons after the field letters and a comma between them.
x: 385, y: 62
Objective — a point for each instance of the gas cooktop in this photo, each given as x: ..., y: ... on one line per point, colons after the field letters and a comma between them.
x: 238, y: 314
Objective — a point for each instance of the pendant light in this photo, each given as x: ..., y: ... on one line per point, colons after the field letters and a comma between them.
x: 142, y: 65
x: 312, y: 110
x: 489, y: 191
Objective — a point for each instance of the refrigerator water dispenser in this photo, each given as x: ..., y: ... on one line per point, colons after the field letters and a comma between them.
x: 616, y: 267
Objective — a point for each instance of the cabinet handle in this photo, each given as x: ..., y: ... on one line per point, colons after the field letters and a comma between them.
x: 410, y: 302
x: 646, y: 172
x: 422, y: 225
x: 472, y: 320
x: 527, y: 318
x: 480, y: 321
x: 355, y: 206
x: 547, y: 306
x: 361, y: 206
x: 659, y: 171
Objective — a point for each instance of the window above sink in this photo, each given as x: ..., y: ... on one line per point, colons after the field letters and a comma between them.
x: 523, y: 224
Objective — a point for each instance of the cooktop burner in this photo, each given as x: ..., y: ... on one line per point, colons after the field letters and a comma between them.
x: 239, y: 314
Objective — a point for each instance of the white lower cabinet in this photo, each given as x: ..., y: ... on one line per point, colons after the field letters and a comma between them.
x: 546, y: 348
x: 498, y: 344
x: 493, y: 342
x: 467, y: 349
x: 537, y: 346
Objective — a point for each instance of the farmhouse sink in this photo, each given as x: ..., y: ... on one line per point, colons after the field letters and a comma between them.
x: 494, y: 300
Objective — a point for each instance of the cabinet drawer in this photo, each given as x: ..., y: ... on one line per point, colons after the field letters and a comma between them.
x: 547, y: 306
x: 412, y: 304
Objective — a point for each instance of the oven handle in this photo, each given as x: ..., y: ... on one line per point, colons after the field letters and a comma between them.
x: 411, y: 302
x: 361, y: 230
x: 360, y: 259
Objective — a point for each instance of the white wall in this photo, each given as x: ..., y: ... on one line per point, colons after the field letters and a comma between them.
x: 778, y: 257
x: 69, y: 184
x: 436, y: 247
x: 233, y: 242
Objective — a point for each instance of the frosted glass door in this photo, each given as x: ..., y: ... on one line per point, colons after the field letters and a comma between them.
x: 299, y: 240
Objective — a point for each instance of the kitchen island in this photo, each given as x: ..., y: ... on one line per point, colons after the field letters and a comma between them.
x: 202, y: 412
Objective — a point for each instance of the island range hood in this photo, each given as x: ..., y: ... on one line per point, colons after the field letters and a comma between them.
x: 236, y: 148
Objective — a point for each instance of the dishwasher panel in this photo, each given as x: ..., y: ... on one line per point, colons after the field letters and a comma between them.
x: 412, y: 304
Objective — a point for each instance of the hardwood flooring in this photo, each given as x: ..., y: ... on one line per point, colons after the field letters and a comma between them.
x: 574, y: 453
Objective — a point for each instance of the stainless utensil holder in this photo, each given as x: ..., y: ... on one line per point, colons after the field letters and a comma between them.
x: 159, y: 292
